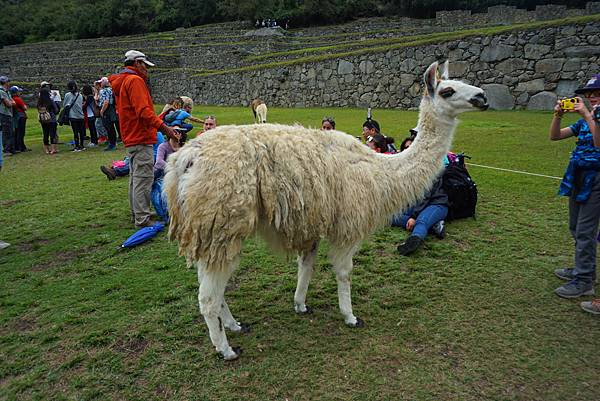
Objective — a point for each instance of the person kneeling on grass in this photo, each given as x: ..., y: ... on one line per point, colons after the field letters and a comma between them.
x: 178, y: 117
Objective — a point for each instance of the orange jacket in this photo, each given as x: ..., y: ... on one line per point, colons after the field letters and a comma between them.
x: 137, y: 119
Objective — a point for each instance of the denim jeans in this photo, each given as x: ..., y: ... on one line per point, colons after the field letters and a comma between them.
x: 583, y: 224
x: 8, y: 135
x: 425, y: 220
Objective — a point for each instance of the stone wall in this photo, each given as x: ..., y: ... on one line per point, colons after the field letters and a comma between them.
x: 522, y: 69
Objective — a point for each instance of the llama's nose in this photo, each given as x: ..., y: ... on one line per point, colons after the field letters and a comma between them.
x: 480, y: 101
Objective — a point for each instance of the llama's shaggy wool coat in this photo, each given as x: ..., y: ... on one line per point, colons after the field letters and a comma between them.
x: 291, y: 184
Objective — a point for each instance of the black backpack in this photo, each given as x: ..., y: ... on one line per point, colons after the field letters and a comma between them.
x: 460, y: 188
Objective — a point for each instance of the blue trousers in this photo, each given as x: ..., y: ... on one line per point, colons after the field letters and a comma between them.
x: 425, y: 220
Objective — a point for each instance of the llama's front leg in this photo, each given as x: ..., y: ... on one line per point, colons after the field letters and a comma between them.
x: 210, y: 295
x: 342, y: 263
x: 306, y: 262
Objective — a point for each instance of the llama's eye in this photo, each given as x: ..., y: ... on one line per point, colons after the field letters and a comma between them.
x: 447, y: 92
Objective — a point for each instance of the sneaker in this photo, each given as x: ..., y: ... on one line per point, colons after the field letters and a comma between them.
x: 591, y: 306
x: 410, y: 245
x: 110, y: 173
x: 91, y: 145
x: 568, y: 274
x: 439, y: 229
x: 575, y: 289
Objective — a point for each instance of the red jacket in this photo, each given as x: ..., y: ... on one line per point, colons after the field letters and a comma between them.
x: 137, y: 119
x: 19, y: 104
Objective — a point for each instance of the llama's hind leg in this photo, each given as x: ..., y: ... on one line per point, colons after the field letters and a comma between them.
x: 341, y: 260
x: 306, y: 262
x: 210, y: 296
x: 226, y: 317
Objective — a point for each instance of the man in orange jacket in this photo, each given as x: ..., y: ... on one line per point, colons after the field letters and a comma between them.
x: 139, y: 125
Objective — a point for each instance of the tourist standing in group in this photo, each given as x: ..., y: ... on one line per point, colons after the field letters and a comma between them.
x: 108, y: 113
x: 99, y: 125
x: 74, y: 100
x: 89, y: 112
x: 139, y: 125
x: 45, y: 104
x: 581, y: 183
x: 6, y: 116
x: 19, y: 119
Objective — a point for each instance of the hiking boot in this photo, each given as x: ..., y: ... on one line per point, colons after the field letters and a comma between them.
x: 439, y: 229
x: 110, y: 173
x: 568, y: 274
x: 591, y: 306
x: 410, y: 245
x: 575, y: 289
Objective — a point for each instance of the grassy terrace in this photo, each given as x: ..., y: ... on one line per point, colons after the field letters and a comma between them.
x: 471, y: 317
x: 386, y: 44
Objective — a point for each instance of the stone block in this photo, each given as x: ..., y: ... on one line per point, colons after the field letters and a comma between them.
x: 549, y: 65
x: 535, y: 52
x: 583, y: 51
x: 407, y: 79
x: 499, y: 96
x: 566, y: 88
x: 366, y: 67
x: 497, y: 53
x: 458, y: 69
x: 345, y: 67
x: 511, y: 65
x: 542, y: 101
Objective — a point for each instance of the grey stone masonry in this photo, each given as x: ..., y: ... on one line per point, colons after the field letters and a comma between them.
x: 519, y: 69
x: 528, y: 69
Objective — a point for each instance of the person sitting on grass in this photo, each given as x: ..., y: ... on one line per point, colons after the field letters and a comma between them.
x: 428, y: 215
x: 178, y: 117
x: 164, y: 150
x: 210, y: 122
x: 327, y: 124
x: 380, y: 144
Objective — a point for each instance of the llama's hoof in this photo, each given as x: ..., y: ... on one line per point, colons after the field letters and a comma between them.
x: 306, y: 311
x: 245, y: 328
x: 359, y: 323
x: 237, y: 351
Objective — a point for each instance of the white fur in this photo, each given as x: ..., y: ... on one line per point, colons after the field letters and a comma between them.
x: 296, y: 186
x: 261, y: 113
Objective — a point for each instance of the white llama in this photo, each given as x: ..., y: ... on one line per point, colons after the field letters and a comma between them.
x: 261, y: 113
x: 296, y: 186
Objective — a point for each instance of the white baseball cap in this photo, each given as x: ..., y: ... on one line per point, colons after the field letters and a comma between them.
x: 133, y: 55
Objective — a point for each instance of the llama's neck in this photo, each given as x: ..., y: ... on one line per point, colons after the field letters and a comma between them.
x: 413, y: 171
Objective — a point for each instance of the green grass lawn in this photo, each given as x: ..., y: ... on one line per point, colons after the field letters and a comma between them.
x: 471, y: 317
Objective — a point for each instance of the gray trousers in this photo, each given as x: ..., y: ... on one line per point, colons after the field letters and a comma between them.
x: 141, y: 177
x: 583, y: 224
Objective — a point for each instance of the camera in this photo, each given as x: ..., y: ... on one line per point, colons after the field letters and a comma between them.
x: 568, y: 104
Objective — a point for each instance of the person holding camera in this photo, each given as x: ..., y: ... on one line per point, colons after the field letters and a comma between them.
x: 581, y: 183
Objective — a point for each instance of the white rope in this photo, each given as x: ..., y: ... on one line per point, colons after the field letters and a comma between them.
x: 514, y: 171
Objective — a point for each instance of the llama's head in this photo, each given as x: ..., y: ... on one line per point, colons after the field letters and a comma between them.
x: 449, y: 97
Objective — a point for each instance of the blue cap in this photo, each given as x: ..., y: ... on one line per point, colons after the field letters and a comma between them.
x: 4, y: 79
x: 15, y: 89
x: 592, y: 85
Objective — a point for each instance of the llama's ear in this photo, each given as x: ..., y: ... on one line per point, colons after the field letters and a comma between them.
x: 430, y: 78
x: 444, y: 73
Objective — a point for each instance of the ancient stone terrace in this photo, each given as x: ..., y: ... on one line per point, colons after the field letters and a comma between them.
x: 229, y: 47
